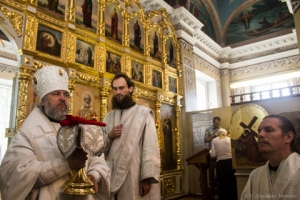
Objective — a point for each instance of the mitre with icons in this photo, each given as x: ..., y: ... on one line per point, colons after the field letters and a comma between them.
x: 80, y: 134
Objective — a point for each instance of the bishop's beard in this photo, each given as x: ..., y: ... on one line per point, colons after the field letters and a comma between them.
x: 126, y: 102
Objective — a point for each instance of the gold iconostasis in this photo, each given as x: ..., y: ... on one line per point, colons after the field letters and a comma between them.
x: 92, y: 40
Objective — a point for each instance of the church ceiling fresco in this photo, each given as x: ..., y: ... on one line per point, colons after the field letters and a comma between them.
x: 259, y: 19
x: 225, y: 8
x: 240, y: 20
x: 198, y: 9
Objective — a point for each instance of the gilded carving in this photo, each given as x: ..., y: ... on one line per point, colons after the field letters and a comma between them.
x: 103, y: 102
x: 26, y: 60
x: 15, y: 19
x: 71, y: 47
x: 128, y: 3
x: 101, y: 18
x: 163, y: 24
x: 71, y: 11
x: 169, y: 185
x: 147, y: 46
x: 157, y: 124
x: 33, y: 2
x: 71, y: 99
x: 126, y: 31
x: 127, y: 65
x: 102, y: 57
x: 177, y: 132
x: 30, y: 33
x: 24, y: 77
x: 17, y: 5
x: 147, y: 94
x: 92, y: 80
x: 51, y: 19
x: 148, y: 73
x: 37, y: 64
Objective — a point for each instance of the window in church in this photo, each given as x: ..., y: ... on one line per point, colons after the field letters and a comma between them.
x: 206, y: 90
x: 5, y: 102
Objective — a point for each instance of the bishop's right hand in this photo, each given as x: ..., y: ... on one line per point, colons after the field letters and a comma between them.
x: 77, y: 159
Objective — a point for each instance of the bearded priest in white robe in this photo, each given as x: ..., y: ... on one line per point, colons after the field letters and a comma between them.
x: 33, y: 168
x: 132, y: 150
x: 279, y: 178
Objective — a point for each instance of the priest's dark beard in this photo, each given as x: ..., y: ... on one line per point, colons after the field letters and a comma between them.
x: 127, y: 102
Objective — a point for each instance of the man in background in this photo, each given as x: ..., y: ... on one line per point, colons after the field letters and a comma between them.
x: 33, y: 166
x: 210, y: 132
x: 279, y: 178
x: 132, y: 145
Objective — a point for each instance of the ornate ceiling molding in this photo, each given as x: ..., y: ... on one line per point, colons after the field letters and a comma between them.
x: 296, y: 5
x: 8, y: 55
x: 185, y: 45
x: 293, y: 5
x: 206, y: 64
x: 266, y: 65
x: 262, y: 54
x: 8, y: 68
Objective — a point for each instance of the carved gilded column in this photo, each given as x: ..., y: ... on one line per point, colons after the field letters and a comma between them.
x: 101, y: 19
x: 126, y: 31
x: 127, y: 60
x: 180, y: 82
x: 135, y: 95
x: 71, y: 11
x: 166, y: 80
x: 157, y: 124
x: 147, y: 45
x: 30, y: 33
x: 164, y: 50
x: 24, y: 77
x: 178, y: 57
x: 71, y: 99
x: 102, y: 56
x: 71, y: 47
x: 178, y: 136
x: 103, y: 102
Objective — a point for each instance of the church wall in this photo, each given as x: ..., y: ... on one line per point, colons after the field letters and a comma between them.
x: 210, y: 71
x: 6, y: 75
